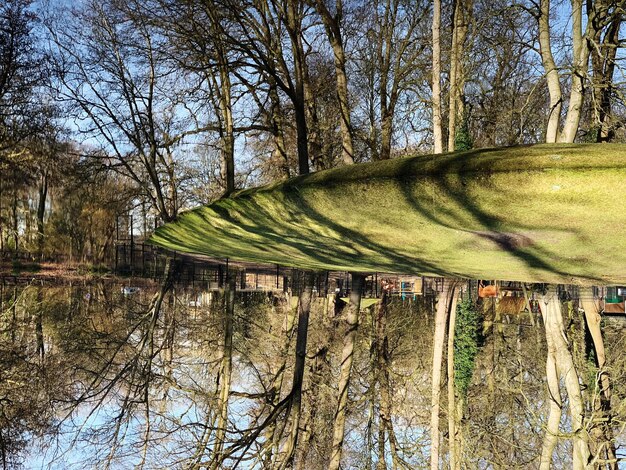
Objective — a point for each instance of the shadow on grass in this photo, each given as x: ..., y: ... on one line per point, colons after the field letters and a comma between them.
x: 285, y: 225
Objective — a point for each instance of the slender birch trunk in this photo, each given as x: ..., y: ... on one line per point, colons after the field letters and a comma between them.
x: 347, y: 354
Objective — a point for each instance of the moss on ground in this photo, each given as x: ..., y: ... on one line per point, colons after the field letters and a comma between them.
x: 545, y: 213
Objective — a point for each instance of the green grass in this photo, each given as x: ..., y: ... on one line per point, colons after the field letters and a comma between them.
x: 546, y: 213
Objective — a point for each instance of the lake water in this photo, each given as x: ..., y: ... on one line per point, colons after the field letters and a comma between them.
x: 93, y: 376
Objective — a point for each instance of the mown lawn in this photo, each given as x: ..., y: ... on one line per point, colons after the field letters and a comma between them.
x: 545, y: 213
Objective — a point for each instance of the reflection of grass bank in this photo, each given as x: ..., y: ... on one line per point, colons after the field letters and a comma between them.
x: 47, y: 270
x: 18, y: 267
x: 550, y: 213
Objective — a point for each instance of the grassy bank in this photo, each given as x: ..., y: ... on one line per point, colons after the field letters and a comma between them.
x: 547, y: 213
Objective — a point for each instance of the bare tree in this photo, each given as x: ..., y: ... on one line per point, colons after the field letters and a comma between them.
x: 111, y: 71
x: 332, y: 25
x: 582, y: 44
x: 604, y: 45
x: 394, y: 73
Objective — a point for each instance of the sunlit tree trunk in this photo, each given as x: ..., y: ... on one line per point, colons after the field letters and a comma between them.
x: 579, y: 73
x: 347, y: 354
x: 228, y: 134
x: 436, y: 78
x: 552, y: 74
x: 332, y: 25
x: 462, y: 11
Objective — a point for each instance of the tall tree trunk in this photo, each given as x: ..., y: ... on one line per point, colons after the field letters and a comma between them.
x: 314, y: 132
x: 41, y: 211
x: 294, y: 29
x: 332, y: 25
x: 579, y: 73
x: 554, y: 414
x: 15, y: 220
x: 447, y: 299
x: 603, y: 66
x: 386, y: 132
x: 347, y: 354
x: 223, y: 93
x: 462, y: 12
x: 454, y: 59
x: 384, y: 384
x: 436, y: 78
x: 279, y: 154
x: 552, y: 74
x: 227, y: 131
x: 273, y: 437
x: 347, y: 147
x: 320, y: 372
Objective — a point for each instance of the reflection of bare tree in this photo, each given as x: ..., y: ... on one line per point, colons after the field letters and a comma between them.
x: 30, y: 383
x: 560, y: 369
x: 138, y: 381
x: 118, y: 374
x: 601, y: 442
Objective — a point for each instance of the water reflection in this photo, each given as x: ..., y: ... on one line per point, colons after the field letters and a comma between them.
x: 97, y: 375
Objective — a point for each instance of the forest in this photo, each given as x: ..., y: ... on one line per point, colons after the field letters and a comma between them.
x: 119, y: 110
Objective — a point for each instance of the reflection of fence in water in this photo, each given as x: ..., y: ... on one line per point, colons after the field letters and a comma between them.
x: 145, y: 260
